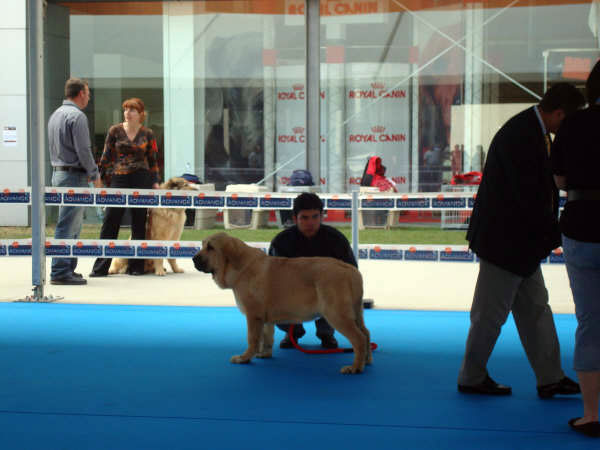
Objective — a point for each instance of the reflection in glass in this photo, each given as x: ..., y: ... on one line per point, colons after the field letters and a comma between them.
x: 425, y: 88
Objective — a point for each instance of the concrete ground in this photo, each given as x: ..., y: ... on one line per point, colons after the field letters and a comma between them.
x: 390, y: 284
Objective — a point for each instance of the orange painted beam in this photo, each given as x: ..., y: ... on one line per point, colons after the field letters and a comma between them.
x: 295, y: 7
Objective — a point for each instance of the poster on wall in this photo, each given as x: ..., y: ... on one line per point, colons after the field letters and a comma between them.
x: 9, y: 136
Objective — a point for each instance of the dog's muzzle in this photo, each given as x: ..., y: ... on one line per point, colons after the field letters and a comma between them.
x: 200, y: 264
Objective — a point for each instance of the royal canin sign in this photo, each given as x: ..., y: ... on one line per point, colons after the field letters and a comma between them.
x: 378, y: 135
x: 377, y: 90
x: 297, y: 93
x: 297, y: 137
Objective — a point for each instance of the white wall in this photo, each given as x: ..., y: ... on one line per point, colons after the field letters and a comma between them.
x: 13, y: 104
x: 491, y: 118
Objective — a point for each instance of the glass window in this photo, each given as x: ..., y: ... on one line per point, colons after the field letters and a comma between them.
x: 422, y: 85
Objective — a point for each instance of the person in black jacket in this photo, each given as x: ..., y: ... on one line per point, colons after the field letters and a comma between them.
x: 513, y: 227
x: 309, y: 237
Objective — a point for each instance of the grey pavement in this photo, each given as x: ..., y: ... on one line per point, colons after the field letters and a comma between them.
x: 390, y: 284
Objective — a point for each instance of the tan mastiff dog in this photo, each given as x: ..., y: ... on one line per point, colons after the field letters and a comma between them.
x: 270, y: 290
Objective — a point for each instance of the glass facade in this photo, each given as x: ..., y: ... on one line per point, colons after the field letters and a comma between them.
x: 423, y: 84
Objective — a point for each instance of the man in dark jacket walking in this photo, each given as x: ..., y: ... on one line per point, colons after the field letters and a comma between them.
x: 512, y: 228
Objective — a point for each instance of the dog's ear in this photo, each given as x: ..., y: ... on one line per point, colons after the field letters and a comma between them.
x: 231, y: 250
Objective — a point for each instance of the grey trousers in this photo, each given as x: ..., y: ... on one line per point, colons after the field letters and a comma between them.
x: 497, y: 293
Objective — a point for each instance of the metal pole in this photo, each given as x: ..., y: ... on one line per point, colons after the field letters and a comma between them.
x: 313, y: 88
x: 35, y: 36
x: 355, y: 223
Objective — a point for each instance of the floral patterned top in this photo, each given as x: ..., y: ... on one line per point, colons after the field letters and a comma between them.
x: 123, y: 156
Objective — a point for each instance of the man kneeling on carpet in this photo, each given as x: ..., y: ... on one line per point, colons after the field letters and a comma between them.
x: 309, y: 237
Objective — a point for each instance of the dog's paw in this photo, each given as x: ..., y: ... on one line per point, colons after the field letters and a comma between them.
x: 350, y: 370
x: 178, y: 270
x: 239, y: 359
x: 160, y: 273
x: 265, y: 354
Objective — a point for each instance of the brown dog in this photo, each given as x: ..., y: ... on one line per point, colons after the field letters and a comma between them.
x: 162, y: 224
x: 270, y: 290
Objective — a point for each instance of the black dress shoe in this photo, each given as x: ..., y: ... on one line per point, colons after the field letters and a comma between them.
x: 486, y: 387
x: 97, y: 274
x: 566, y: 386
x: 329, y: 342
x: 591, y: 429
x: 136, y: 272
x: 70, y: 279
x: 77, y: 275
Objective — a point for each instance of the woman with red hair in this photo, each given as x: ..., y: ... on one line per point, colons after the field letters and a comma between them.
x: 129, y: 160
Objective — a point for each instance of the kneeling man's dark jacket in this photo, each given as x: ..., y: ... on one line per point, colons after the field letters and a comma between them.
x: 327, y: 242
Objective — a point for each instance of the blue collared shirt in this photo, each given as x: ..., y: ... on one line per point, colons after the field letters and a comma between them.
x: 69, y: 139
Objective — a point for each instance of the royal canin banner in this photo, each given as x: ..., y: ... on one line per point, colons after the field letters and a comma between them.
x: 290, y: 125
x: 375, y: 122
x: 378, y: 109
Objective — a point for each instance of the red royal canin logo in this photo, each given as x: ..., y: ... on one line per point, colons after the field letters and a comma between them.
x: 378, y: 135
x: 297, y: 137
x: 375, y: 93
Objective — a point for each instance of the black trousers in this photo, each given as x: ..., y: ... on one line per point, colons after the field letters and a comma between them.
x: 112, y: 219
x: 323, y: 329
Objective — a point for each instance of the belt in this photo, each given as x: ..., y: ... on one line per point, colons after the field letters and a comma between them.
x: 69, y: 169
x: 583, y: 194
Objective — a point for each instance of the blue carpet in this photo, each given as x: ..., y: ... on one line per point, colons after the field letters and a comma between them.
x: 144, y: 377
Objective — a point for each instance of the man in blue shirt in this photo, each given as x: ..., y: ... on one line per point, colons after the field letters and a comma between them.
x: 73, y: 165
